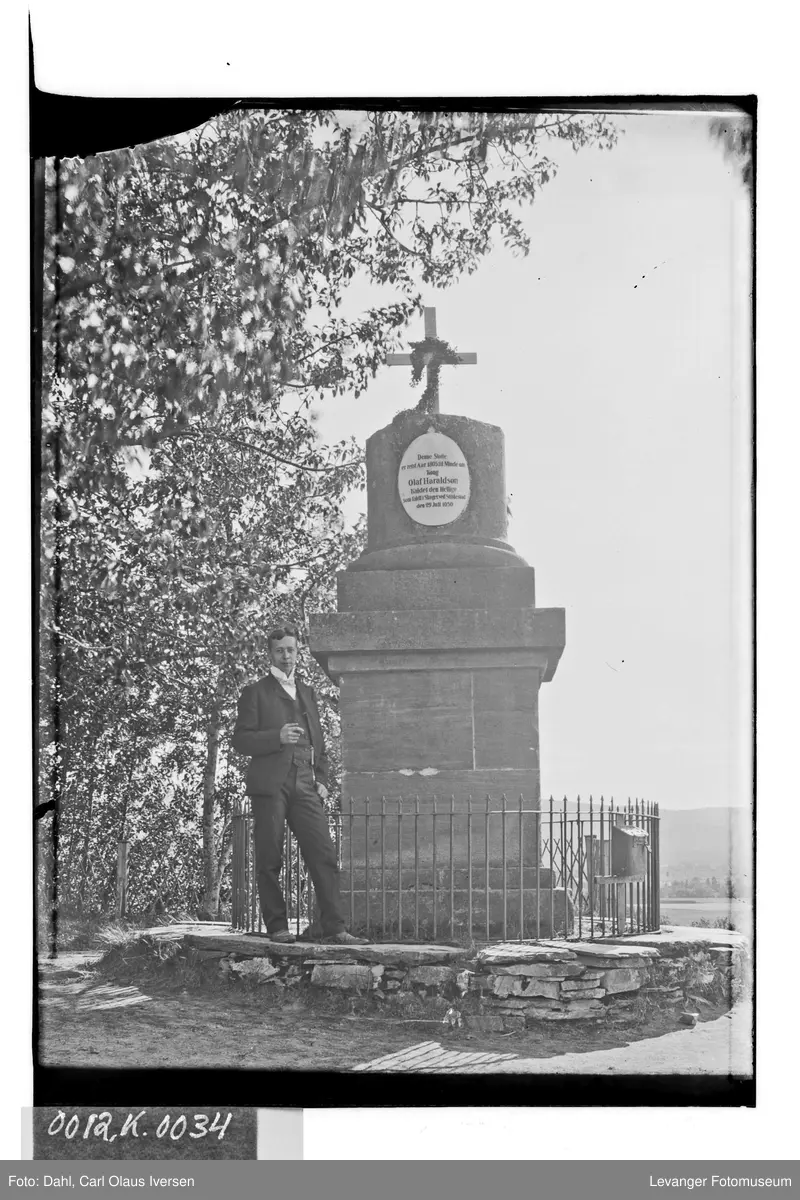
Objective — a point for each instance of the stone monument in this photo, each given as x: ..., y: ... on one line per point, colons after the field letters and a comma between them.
x: 439, y: 652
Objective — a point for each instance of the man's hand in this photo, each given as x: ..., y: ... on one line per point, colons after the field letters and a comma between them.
x: 291, y: 733
x: 322, y: 791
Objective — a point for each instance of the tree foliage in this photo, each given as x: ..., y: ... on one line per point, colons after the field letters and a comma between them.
x: 735, y: 134
x: 194, y: 314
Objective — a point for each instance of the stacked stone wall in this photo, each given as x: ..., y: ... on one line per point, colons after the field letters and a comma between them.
x: 512, y: 986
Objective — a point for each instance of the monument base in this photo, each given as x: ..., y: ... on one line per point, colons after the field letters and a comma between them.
x: 428, y: 914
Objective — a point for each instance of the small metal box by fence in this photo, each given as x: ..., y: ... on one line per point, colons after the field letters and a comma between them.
x: 629, y: 847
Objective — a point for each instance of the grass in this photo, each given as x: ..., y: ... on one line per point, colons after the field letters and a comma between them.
x: 98, y: 931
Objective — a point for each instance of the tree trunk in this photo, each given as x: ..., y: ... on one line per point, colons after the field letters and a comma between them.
x: 86, y: 840
x: 212, y: 864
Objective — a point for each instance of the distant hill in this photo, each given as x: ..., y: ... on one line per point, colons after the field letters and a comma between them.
x: 706, y: 842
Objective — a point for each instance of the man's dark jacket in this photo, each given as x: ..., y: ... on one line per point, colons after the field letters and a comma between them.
x: 264, y: 708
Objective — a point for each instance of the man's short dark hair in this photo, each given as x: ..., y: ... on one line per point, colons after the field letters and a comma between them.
x: 282, y: 631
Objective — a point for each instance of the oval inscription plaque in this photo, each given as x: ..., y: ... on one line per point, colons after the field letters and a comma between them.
x: 433, y: 480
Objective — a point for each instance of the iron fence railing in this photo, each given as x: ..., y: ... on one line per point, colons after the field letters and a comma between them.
x: 489, y: 870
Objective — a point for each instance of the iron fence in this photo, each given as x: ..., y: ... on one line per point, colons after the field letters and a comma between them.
x: 475, y: 871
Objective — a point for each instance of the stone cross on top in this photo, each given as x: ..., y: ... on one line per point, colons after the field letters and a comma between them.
x: 432, y: 359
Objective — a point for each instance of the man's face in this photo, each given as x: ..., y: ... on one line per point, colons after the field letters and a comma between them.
x: 283, y: 654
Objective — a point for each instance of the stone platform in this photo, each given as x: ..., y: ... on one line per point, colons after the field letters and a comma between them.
x: 505, y: 986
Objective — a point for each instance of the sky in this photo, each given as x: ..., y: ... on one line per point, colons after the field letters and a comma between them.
x: 615, y: 359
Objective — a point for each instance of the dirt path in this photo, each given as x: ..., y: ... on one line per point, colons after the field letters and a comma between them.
x: 87, y: 1021
x: 84, y: 1022
x: 720, y: 1047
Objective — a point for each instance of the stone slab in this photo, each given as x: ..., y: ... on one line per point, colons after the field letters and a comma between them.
x: 433, y: 976
x: 409, y: 955
x: 505, y: 953
x: 541, y: 1004
x: 516, y: 985
x: 505, y: 713
x: 561, y: 1015
x: 437, y: 720
x: 439, y: 629
x: 407, y: 720
x: 675, y: 939
x: 179, y: 929
x: 574, y: 991
x: 338, y: 665
x: 458, y: 630
x: 446, y: 551
x: 312, y: 962
x: 596, y: 954
x: 344, y: 976
x: 516, y: 1004
x: 261, y: 970
x: 383, y: 953
x: 410, y: 783
x: 465, y: 587
x: 561, y: 970
x: 622, y: 979
x: 251, y: 946
x: 634, y: 962
x: 496, y: 690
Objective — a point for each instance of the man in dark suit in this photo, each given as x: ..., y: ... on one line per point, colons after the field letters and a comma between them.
x: 279, y: 727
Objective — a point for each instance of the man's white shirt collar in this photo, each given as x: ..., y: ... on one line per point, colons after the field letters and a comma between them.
x: 287, y: 682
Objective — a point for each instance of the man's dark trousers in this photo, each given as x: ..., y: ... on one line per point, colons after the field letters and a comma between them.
x: 298, y: 804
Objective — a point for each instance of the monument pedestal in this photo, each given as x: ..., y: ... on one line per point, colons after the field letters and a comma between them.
x: 439, y: 653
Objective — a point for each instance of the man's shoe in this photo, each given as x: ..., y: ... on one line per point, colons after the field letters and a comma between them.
x: 282, y: 935
x: 346, y: 939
